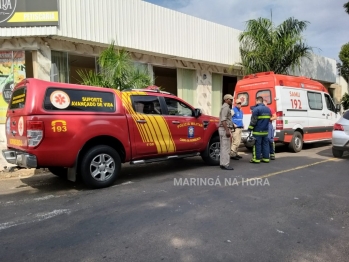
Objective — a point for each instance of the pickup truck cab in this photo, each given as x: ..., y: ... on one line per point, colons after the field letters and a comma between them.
x: 76, y: 130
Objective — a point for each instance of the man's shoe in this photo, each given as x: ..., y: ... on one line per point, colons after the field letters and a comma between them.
x: 254, y: 161
x: 238, y: 156
x: 234, y: 157
x: 272, y: 157
x: 227, y: 167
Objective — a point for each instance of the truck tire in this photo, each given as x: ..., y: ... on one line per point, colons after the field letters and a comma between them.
x: 337, y: 153
x: 296, y: 143
x: 100, y: 166
x: 59, y: 171
x: 212, y: 158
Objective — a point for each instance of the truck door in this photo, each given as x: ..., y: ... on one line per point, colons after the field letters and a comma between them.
x: 145, y: 128
x: 187, y: 130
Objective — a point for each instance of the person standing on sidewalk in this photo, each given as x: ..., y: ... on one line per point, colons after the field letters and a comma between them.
x: 259, y: 127
x: 238, y: 124
x: 224, y: 130
x: 271, y: 131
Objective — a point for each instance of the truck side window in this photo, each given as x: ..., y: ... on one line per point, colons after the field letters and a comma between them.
x: 145, y: 104
x: 177, y: 108
x: 315, y: 100
x: 329, y: 103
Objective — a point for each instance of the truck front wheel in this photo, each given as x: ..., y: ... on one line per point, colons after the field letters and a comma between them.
x: 100, y: 166
x: 213, y: 152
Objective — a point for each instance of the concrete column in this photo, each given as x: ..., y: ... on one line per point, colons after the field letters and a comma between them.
x: 42, y: 62
x: 204, y: 91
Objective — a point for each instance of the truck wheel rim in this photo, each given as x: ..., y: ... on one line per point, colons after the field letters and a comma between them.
x: 214, y: 150
x: 102, y: 167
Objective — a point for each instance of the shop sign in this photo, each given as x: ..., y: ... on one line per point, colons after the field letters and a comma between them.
x: 12, y: 71
x: 28, y: 13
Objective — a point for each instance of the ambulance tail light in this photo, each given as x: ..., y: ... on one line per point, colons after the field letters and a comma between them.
x: 35, y: 132
x: 279, y: 120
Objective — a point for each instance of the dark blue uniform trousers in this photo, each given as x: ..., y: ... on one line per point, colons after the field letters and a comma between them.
x: 260, y: 147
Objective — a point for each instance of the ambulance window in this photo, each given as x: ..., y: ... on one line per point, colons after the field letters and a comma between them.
x: 177, y: 108
x: 266, y: 94
x: 244, y: 98
x: 315, y: 101
x: 18, y: 98
x: 329, y: 103
x: 145, y: 104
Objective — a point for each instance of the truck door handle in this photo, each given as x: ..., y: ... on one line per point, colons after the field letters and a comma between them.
x: 176, y: 122
x: 141, y: 121
x: 323, y: 114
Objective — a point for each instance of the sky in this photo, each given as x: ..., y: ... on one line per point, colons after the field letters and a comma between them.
x: 327, y: 31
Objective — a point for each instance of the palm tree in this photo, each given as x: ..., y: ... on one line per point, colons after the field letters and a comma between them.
x: 346, y: 7
x: 117, y: 71
x: 264, y: 47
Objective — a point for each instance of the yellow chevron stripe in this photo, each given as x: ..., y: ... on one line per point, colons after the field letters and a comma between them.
x: 155, y: 130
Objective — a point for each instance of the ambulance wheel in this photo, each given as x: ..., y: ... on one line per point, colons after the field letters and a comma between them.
x: 296, y: 143
x: 100, y: 166
x: 212, y: 157
x: 59, y: 171
x: 337, y: 153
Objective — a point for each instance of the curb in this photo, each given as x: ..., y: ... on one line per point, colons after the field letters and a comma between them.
x: 16, y: 172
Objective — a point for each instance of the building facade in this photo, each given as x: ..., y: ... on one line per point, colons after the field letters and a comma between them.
x: 195, y: 59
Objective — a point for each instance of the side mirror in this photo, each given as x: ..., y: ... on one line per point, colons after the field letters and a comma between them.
x: 338, y: 108
x: 197, y: 112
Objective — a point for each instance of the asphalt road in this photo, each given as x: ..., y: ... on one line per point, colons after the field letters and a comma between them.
x: 298, y: 210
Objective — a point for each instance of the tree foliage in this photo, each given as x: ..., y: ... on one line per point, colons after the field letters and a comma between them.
x: 346, y: 7
x: 264, y: 47
x: 345, y: 101
x: 344, y: 65
x: 117, y: 71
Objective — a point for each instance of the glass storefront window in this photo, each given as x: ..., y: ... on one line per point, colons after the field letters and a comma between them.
x: 59, y: 67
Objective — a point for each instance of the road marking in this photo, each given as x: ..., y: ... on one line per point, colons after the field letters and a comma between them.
x: 291, y: 169
x: 35, y: 218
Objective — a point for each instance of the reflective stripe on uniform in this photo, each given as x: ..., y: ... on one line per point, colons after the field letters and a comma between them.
x: 263, y: 117
x: 260, y: 133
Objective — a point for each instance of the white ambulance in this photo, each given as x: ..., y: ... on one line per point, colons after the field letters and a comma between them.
x: 305, y: 110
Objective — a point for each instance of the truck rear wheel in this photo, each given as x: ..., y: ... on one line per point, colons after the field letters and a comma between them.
x: 213, y: 156
x: 100, y: 166
x: 296, y: 143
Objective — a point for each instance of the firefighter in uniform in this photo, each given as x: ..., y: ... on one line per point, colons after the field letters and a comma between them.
x: 259, y: 126
x: 224, y: 130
